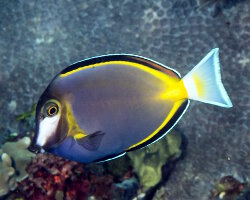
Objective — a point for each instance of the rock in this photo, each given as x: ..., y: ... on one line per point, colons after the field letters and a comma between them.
x: 12, y: 106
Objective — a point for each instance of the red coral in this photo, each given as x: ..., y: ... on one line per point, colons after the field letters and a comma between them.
x: 49, y: 174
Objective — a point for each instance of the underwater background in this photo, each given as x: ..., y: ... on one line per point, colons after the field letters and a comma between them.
x: 40, y: 38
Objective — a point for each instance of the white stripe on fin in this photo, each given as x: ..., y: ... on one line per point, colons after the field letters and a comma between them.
x: 112, y: 158
x: 203, y: 82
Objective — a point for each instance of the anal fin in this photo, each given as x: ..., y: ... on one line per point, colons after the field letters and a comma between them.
x: 110, y: 157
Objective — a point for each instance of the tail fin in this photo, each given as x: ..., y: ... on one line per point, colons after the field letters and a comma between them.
x: 203, y: 82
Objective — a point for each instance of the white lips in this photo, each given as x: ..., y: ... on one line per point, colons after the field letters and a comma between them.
x: 47, y: 128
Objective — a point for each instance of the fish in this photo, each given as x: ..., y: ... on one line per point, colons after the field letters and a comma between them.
x: 98, y: 109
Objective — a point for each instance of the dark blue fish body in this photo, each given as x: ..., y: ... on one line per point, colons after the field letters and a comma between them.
x: 100, y: 108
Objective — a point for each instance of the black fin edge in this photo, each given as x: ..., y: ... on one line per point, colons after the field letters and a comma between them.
x: 116, y: 57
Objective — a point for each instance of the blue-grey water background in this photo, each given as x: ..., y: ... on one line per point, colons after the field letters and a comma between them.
x: 40, y: 38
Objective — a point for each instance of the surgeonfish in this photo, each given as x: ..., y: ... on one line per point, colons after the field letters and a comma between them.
x: 100, y: 108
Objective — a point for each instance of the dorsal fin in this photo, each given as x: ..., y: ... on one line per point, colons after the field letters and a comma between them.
x: 80, y: 65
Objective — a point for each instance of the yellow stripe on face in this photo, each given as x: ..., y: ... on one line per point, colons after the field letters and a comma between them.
x: 79, y: 136
x: 171, y: 114
x: 73, y: 127
x: 167, y: 78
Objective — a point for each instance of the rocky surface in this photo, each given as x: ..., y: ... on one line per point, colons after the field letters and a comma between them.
x: 40, y: 38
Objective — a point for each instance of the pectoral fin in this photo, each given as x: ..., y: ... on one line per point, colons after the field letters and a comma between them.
x: 91, y: 142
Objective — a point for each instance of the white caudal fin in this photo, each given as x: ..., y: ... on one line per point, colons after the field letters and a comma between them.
x: 203, y: 82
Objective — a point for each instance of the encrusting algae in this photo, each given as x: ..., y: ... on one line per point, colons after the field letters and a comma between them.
x: 148, y: 162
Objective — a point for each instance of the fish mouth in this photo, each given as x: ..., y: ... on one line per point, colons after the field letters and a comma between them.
x: 34, y: 148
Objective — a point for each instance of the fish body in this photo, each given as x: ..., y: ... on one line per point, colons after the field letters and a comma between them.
x: 100, y: 108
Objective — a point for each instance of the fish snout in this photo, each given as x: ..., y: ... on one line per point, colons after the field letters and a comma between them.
x: 34, y: 148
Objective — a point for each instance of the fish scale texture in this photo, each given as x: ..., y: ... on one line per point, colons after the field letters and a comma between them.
x: 40, y: 38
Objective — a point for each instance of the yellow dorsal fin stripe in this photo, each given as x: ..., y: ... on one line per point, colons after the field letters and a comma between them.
x: 152, y: 71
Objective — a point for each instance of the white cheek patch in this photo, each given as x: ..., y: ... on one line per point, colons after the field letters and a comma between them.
x: 47, y: 127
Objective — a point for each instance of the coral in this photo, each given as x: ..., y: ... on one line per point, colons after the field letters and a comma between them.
x: 7, y: 174
x: 14, y: 159
x: 148, y: 162
x: 55, y: 177
x: 21, y: 156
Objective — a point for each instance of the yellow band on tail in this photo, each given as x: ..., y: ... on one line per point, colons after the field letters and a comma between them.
x: 203, y: 83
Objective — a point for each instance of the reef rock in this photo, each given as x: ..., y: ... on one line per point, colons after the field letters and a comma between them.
x: 229, y: 188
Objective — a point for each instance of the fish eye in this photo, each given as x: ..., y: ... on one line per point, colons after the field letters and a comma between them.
x: 51, y: 109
